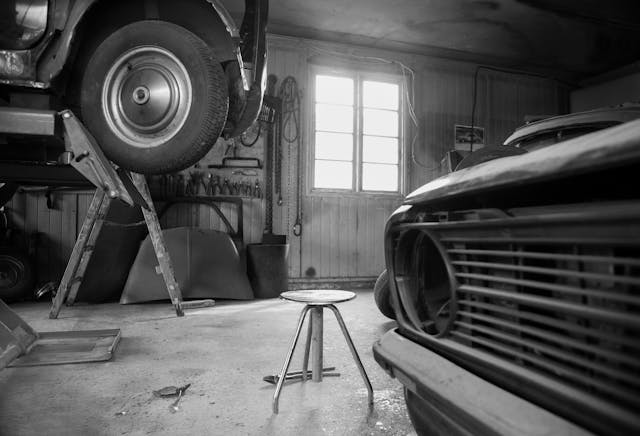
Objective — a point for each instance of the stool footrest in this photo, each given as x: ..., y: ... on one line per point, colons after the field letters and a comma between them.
x: 298, y: 375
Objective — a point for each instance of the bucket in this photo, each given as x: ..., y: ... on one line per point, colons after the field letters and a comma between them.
x: 267, y: 268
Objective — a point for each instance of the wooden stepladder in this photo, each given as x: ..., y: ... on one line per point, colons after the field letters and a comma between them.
x: 111, y: 185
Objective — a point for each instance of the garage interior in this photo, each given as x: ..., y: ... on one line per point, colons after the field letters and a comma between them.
x: 298, y: 219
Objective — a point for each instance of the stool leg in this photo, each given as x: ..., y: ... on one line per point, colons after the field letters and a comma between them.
x: 307, y: 347
x: 316, y: 342
x: 354, y: 353
x: 287, y: 361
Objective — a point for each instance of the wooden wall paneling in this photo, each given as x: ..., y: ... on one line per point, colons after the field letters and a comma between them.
x: 31, y: 214
x: 69, y: 212
x: 54, y: 236
x: 335, y: 249
x: 31, y: 229
x: 185, y: 215
x: 212, y: 220
x: 309, y: 234
x: 229, y: 210
x: 363, y: 256
x: 16, y: 211
x: 203, y: 218
x: 170, y: 218
x: 83, y: 206
x: 332, y: 245
x: 346, y: 239
x: 349, y: 228
x: 253, y: 220
x: 194, y: 218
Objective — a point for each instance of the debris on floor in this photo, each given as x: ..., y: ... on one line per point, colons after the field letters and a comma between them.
x: 172, y: 391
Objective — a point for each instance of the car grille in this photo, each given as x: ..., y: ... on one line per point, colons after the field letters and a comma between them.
x: 554, y: 293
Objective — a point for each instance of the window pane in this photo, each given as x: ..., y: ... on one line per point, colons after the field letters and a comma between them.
x: 379, y: 149
x: 336, y: 146
x: 333, y: 118
x: 379, y: 177
x: 380, y: 122
x: 332, y: 89
x: 333, y: 174
x: 380, y: 95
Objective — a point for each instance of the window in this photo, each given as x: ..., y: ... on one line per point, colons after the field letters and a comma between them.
x: 356, y: 133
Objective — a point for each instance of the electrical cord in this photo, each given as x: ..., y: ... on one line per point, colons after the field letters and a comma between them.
x: 253, y: 142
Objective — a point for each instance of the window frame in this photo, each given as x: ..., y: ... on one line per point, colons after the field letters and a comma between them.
x: 359, y: 76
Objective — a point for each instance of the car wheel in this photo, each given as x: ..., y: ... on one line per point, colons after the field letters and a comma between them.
x: 17, y: 278
x: 382, y: 295
x: 154, y: 96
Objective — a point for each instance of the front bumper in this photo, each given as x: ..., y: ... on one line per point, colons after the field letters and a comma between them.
x: 459, y: 401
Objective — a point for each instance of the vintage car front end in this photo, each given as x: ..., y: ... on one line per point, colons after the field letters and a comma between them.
x: 516, y: 288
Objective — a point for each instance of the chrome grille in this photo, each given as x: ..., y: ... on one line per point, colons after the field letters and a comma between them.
x: 557, y: 295
x: 578, y: 321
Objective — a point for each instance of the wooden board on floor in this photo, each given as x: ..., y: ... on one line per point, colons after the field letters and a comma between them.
x: 57, y: 348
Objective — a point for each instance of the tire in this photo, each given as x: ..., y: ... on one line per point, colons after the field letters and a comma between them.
x: 17, y: 277
x: 154, y: 97
x: 382, y: 295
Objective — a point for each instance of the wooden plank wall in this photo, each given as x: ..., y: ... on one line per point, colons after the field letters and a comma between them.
x: 341, y: 235
x: 48, y: 233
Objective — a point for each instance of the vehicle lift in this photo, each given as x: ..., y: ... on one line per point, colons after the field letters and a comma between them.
x: 81, y: 151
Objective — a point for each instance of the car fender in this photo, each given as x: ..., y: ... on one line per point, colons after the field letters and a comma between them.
x: 58, y: 53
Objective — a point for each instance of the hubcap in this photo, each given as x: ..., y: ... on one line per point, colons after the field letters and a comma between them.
x: 146, y: 96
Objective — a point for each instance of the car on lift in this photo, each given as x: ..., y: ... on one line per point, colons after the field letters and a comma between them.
x: 515, y: 283
x: 156, y: 82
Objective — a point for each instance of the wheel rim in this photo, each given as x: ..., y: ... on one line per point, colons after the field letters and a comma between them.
x: 10, y: 272
x: 146, y: 96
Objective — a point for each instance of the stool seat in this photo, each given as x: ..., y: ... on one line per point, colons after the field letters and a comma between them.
x: 318, y: 296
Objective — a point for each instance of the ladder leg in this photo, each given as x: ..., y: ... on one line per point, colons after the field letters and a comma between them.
x: 74, y: 286
x: 155, y: 233
x: 79, y: 251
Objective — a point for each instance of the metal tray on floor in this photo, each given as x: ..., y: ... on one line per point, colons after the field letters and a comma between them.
x: 57, y: 348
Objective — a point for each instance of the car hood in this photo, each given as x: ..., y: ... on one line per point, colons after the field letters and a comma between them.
x: 597, y: 117
x: 615, y: 146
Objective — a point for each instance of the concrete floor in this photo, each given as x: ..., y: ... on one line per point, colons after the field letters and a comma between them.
x: 223, y: 351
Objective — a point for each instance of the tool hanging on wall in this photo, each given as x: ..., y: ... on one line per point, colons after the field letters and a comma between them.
x: 271, y: 101
x: 290, y: 119
x: 277, y: 138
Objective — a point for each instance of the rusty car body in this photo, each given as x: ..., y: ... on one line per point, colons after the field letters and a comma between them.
x: 516, y: 287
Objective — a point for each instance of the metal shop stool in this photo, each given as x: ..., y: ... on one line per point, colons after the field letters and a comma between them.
x: 315, y: 301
